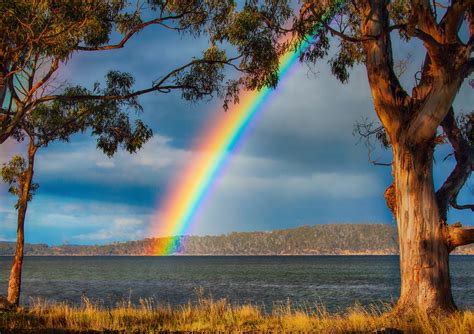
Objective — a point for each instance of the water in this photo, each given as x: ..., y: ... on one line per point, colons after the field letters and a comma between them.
x: 334, y: 281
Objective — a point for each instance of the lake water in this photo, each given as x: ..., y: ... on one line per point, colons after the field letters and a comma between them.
x: 335, y: 281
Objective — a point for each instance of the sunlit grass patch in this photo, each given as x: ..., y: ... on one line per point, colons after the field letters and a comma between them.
x: 211, y: 315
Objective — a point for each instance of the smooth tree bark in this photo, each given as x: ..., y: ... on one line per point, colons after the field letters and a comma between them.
x: 14, y: 283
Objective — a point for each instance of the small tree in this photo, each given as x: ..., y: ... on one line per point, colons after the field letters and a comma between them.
x: 38, y: 37
x: 109, y: 121
x: 410, y: 122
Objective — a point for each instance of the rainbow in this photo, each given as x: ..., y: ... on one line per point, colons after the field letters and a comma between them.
x: 220, y: 138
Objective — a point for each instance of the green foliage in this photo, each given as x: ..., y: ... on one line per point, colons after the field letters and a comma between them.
x: 195, y: 16
x: 108, y: 119
x: 203, y: 78
x: 55, y: 28
x: 320, y: 19
x: 38, y: 34
x: 343, y: 61
x: 254, y: 32
x: 14, y: 174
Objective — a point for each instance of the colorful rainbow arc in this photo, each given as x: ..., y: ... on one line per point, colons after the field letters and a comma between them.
x: 221, y: 137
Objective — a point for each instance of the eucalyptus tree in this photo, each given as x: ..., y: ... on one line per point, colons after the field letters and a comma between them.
x: 411, y: 121
x: 110, y: 121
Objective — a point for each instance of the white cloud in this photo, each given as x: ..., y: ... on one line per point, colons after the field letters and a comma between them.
x: 105, y: 164
x: 119, y: 229
x: 8, y: 214
x: 80, y: 161
x: 340, y: 185
x: 128, y: 222
x: 56, y: 212
x: 324, y: 110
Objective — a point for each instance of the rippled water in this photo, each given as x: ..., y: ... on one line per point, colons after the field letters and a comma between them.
x: 335, y: 281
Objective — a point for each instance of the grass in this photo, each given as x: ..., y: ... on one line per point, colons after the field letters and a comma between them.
x: 219, y: 316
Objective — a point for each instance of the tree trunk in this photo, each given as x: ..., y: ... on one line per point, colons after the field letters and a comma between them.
x: 14, y: 284
x: 424, y: 252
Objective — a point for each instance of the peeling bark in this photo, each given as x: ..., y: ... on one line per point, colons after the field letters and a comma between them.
x: 458, y: 236
x: 390, y: 99
x: 391, y: 199
x: 425, y: 280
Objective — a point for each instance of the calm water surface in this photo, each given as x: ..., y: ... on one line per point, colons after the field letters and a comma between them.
x: 335, y: 281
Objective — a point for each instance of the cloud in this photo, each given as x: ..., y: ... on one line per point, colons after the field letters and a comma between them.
x: 8, y: 214
x: 59, y: 219
x: 79, y: 161
x: 119, y: 229
x: 105, y: 164
x: 315, y: 185
x: 72, y: 171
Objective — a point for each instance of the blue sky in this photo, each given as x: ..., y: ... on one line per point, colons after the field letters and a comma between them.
x: 299, y: 164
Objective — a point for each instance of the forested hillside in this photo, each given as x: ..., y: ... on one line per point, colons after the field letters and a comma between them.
x: 306, y: 240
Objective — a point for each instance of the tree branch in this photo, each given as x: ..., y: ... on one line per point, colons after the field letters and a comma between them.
x: 344, y: 36
x: 390, y: 99
x: 158, y: 86
x: 423, y: 15
x: 464, y: 155
x: 452, y: 20
x: 470, y: 67
x: 131, y: 33
x: 455, y: 205
x: 37, y: 85
x: 458, y: 236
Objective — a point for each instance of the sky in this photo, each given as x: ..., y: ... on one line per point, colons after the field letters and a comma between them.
x: 298, y: 164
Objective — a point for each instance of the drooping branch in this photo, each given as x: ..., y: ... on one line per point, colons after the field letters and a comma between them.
x: 370, y: 132
x: 464, y: 155
x: 131, y: 33
x: 455, y: 205
x: 8, y: 125
x: 159, y: 86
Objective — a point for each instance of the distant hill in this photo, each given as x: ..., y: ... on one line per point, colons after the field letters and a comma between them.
x: 333, y: 239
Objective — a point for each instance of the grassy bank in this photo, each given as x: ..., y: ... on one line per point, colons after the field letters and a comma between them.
x: 209, y: 315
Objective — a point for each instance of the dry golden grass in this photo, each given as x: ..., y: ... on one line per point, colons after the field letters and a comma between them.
x: 220, y: 316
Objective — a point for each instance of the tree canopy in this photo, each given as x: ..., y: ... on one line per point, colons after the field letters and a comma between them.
x: 38, y: 37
